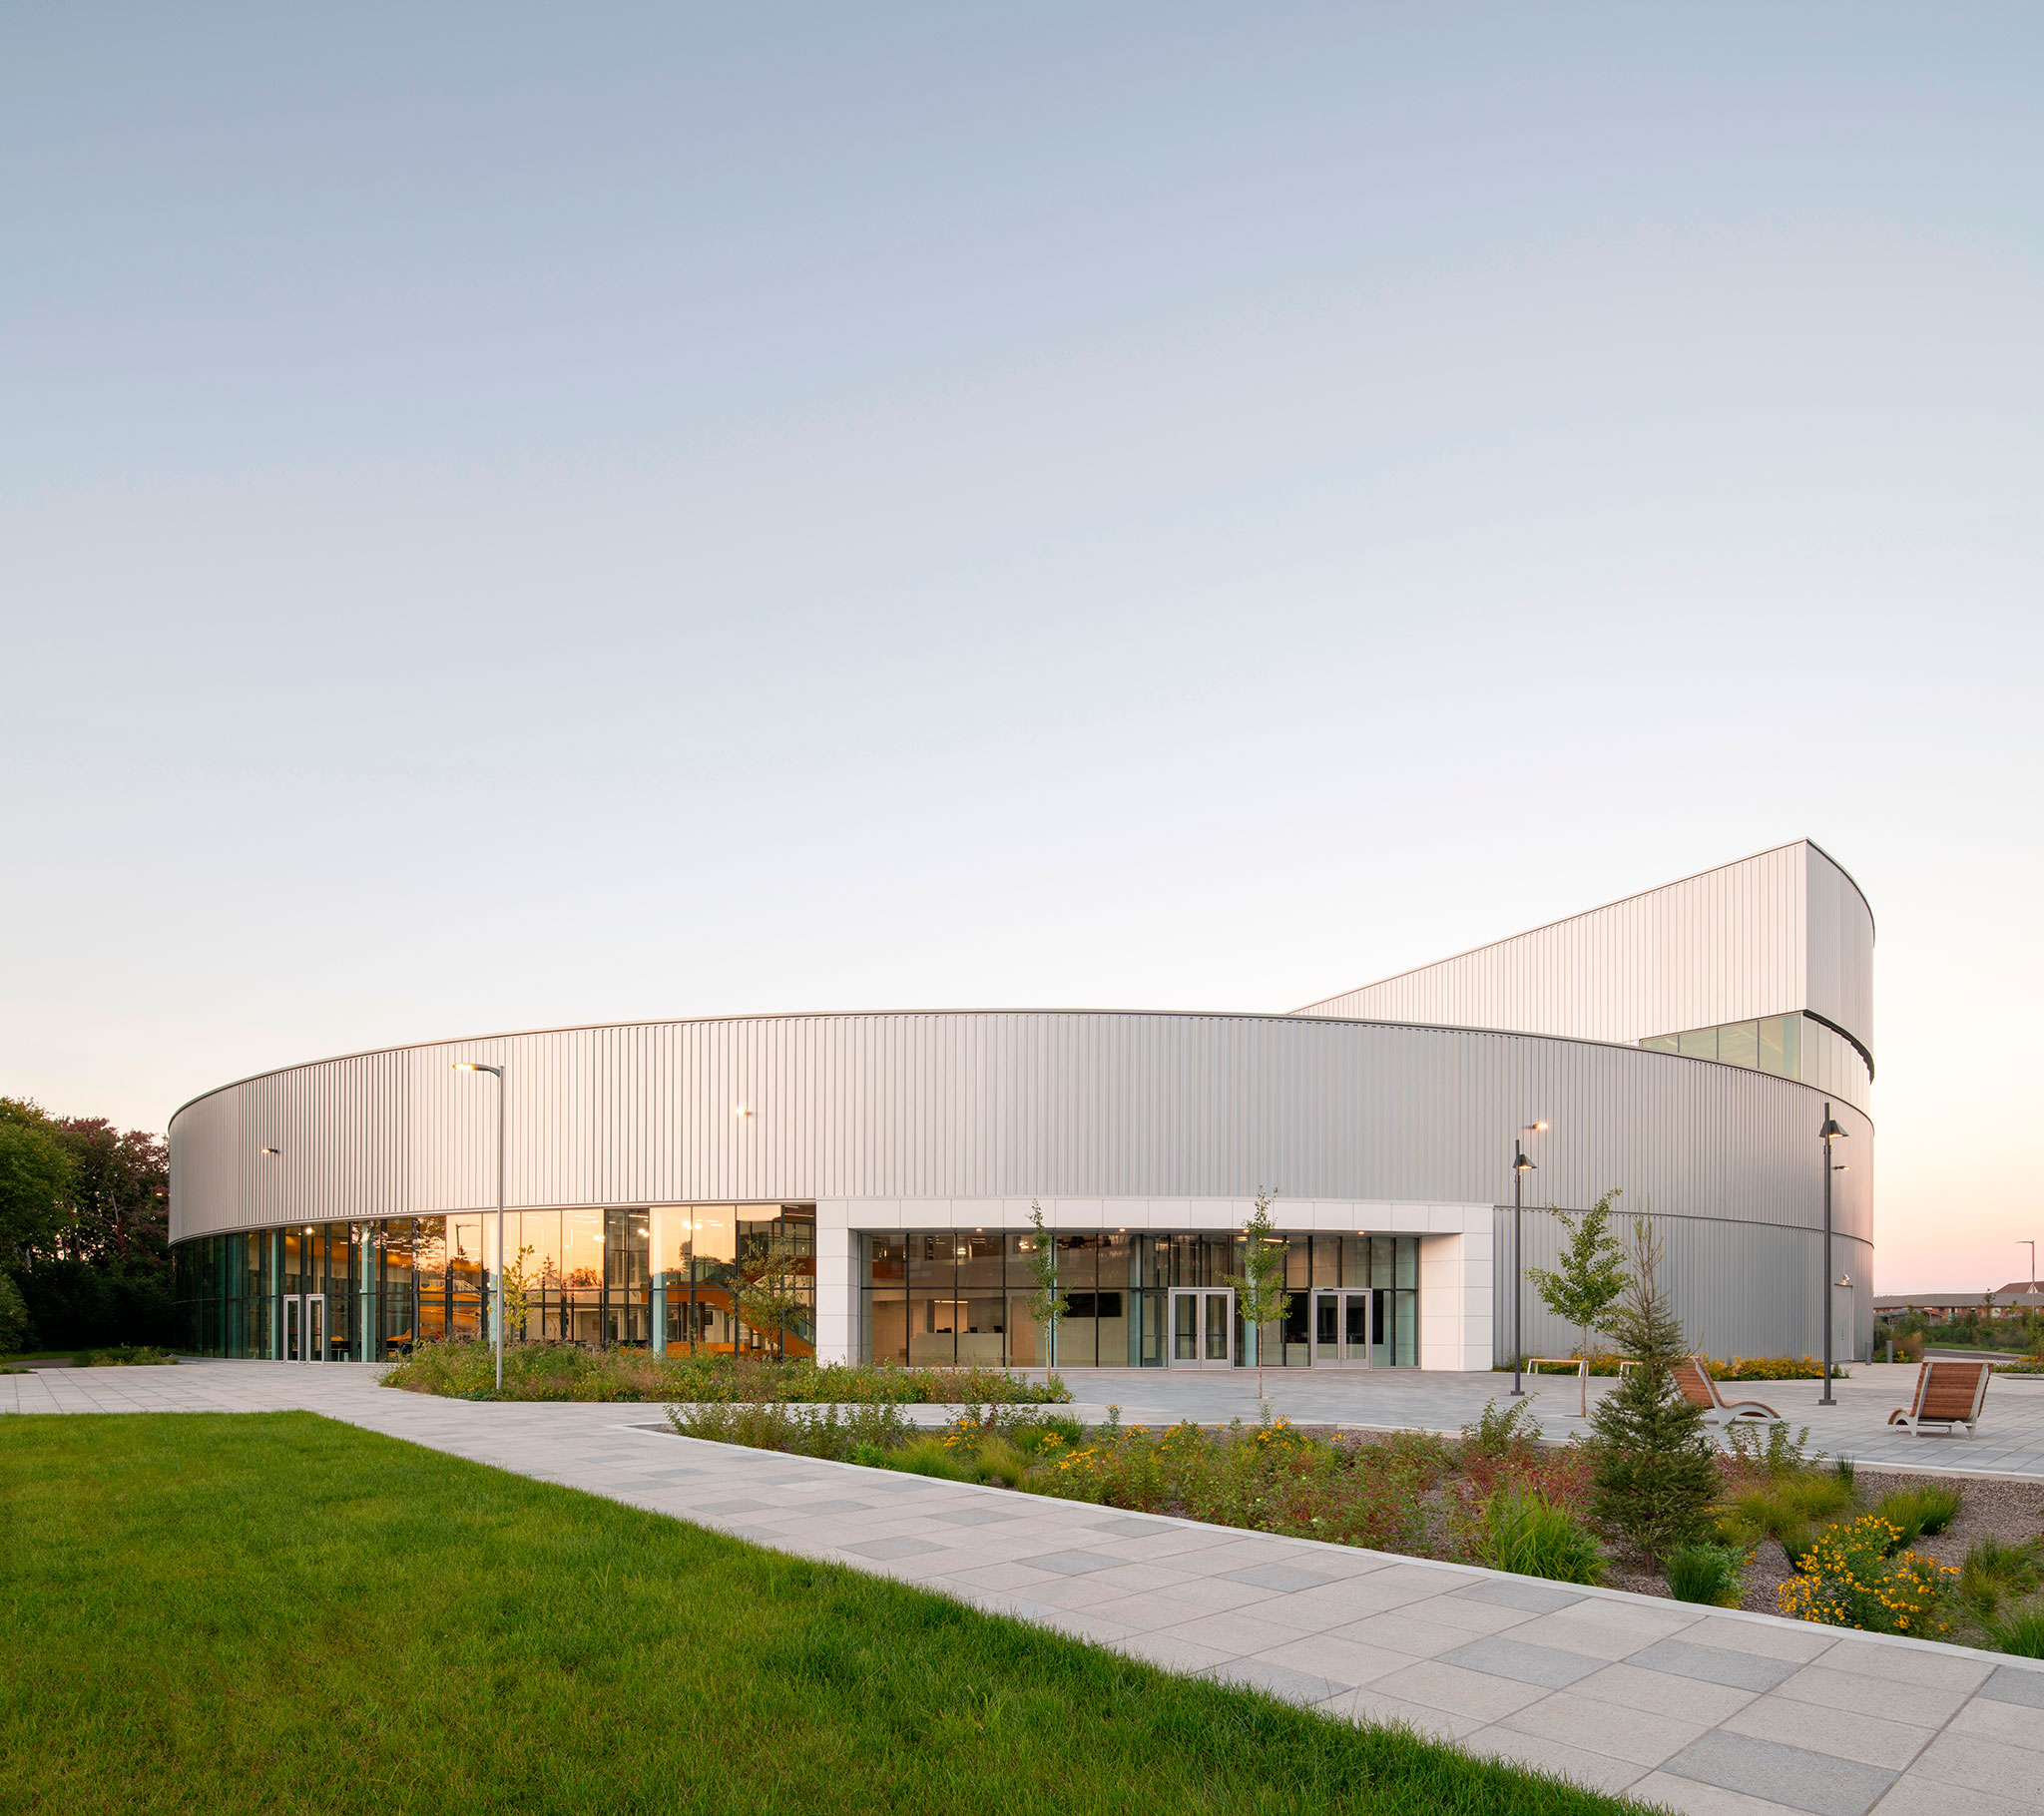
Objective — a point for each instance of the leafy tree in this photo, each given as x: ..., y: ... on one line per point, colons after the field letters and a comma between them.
x: 1047, y: 1302
x: 1259, y: 1293
x: 35, y: 1175
x: 1591, y: 1276
x: 15, y: 1329
x: 518, y: 1285
x: 772, y: 1295
x: 118, y: 1202
x: 1655, y: 1471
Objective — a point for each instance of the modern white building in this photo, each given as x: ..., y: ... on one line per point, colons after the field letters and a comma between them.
x: 1680, y: 1046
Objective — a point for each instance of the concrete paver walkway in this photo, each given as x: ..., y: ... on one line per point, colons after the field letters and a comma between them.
x: 1698, y: 1711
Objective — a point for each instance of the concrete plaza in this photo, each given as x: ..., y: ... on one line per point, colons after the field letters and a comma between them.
x: 1693, y: 1709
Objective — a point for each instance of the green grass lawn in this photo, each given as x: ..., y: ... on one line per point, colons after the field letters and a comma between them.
x: 279, y: 1612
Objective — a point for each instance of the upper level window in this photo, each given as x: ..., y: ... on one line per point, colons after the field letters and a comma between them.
x: 1789, y: 1046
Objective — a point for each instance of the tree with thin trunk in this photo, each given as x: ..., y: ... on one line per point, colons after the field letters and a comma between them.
x: 1047, y: 1303
x: 772, y: 1295
x: 1587, y: 1284
x: 1260, y: 1294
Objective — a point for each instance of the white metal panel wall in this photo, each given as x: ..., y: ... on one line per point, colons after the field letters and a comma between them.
x: 1841, y: 958
x: 1740, y: 1289
x: 1000, y: 1104
x: 1729, y: 945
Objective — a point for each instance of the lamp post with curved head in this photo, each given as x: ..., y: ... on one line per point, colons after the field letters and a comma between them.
x: 1521, y: 1166
x: 1828, y: 1134
x: 497, y: 1072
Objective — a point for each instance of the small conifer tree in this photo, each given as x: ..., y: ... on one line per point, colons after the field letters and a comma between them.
x: 1591, y: 1276
x: 1654, y: 1466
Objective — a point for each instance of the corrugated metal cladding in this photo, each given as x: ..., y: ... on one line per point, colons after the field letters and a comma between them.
x: 1783, y: 930
x: 1003, y: 1103
x: 1740, y: 1289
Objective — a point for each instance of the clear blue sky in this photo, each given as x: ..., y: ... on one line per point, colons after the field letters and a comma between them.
x: 525, y: 515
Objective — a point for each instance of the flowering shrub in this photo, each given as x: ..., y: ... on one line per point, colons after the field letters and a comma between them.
x: 1845, y: 1579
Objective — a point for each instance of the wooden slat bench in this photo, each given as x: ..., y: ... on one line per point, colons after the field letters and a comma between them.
x: 1948, y: 1393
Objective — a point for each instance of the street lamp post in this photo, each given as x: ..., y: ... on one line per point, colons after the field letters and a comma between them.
x: 2025, y: 1242
x: 1828, y: 1134
x: 497, y: 1072
x: 1521, y: 1166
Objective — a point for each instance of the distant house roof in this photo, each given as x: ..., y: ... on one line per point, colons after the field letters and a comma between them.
x: 2017, y: 1294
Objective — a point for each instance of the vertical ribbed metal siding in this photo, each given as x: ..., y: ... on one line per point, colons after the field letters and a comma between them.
x: 1738, y: 1288
x: 1001, y: 1104
x: 1784, y: 930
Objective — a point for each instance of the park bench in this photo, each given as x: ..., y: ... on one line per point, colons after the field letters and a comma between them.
x: 1948, y: 1393
x: 1700, y: 1390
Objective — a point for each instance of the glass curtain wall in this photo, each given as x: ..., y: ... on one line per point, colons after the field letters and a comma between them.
x: 706, y: 1259
x: 368, y: 1291
x: 952, y: 1298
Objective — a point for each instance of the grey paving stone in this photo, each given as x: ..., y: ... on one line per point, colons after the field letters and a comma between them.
x: 1072, y: 1563
x: 2011, y: 1683
x: 885, y: 1551
x: 1782, y: 1774
x: 830, y: 1506
x: 735, y: 1507
x: 1504, y: 1657
x: 1534, y: 1598
x: 1712, y: 1664
x: 1285, y: 1577
x: 973, y: 1516
x: 1127, y: 1526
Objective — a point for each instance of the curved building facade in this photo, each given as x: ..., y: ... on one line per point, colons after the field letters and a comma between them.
x: 889, y: 1163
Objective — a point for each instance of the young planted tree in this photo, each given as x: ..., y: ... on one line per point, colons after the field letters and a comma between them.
x: 1047, y: 1303
x: 772, y: 1295
x: 1591, y: 1276
x: 518, y: 1285
x: 1260, y: 1294
x: 1654, y: 1467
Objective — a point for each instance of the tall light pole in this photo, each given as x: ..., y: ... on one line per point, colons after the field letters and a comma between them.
x: 497, y: 1072
x: 1521, y: 1166
x: 1828, y: 1134
x: 2025, y: 1242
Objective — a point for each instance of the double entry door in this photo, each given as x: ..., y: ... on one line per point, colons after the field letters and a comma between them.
x: 304, y: 1327
x: 1342, y: 1327
x: 1202, y: 1327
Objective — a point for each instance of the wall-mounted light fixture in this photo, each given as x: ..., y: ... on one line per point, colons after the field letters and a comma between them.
x: 269, y: 1150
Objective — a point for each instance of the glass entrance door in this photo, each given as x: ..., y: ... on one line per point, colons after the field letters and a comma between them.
x: 1202, y: 1327
x: 304, y: 1327
x: 1341, y: 1329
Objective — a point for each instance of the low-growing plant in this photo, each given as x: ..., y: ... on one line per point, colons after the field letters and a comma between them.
x: 1772, y: 1450
x: 1853, y: 1576
x: 1710, y: 1573
x: 1994, y: 1573
x: 1501, y: 1430
x: 1527, y: 1533
x: 466, y: 1369
x: 2021, y: 1635
x: 124, y: 1355
x: 829, y: 1432
x: 1924, y: 1507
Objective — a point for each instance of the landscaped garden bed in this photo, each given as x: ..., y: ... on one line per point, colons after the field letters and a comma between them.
x: 467, y: 1370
